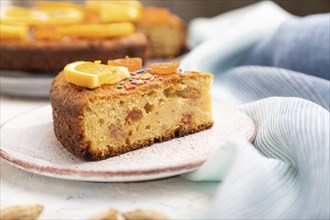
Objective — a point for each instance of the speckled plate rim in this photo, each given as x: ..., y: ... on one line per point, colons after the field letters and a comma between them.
x: 100, y: 176
x: 104, y: 176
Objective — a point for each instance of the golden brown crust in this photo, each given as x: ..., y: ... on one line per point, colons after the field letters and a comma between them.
x: 68, y: 102
x: 69, y: 131
x: 179, y: 132
x: 48, y: 56
x: 73, y: 98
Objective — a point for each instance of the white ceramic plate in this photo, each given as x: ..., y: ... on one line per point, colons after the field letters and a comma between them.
x: 28, y: 142
x: 25, y: 84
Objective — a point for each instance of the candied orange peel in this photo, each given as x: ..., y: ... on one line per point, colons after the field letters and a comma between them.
x: 165, y: 68
x: 132, y: 64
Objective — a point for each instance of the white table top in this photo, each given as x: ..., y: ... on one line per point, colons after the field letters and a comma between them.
x: 64, y: 199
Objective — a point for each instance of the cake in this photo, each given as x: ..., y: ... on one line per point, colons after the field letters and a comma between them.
x: 106, y: 120
x: 48, y: 36
x: 52, y: 56
x: 165, y: 32
x: 44, y: 38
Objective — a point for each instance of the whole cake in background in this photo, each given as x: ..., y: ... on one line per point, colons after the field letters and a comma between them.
x: 51, y: 34
x: 165, y: 32
x: 100, y: 111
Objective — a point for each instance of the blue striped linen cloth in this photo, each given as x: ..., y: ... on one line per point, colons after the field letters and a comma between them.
x: 284, y: 173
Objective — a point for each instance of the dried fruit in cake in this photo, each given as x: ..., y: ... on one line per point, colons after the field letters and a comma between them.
x: 92, y: 75
x: 165, y: 68
x: 45, y: 16
x: 132, y: 64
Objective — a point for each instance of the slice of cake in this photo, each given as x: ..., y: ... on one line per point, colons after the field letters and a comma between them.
x: 114, y: 111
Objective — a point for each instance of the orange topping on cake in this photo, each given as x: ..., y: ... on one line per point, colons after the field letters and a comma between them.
x: 165, y: 68
x: 119, y: 13
x: 132, y: 64
x: 154, y: 15
x: 44, y: 16
x: 97, y: 30
x: 116, y: 11
x: 46, y: 33
x: 55, y: 4
x: 92, y: 75
x: 97, y: 4
x: 13, y: 32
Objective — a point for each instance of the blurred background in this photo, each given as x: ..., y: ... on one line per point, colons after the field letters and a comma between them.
x: 188, y: 9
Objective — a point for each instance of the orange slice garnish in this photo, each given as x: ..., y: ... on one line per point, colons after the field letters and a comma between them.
x: 90, y: 16
x: 97, y: 4
x: 13, y: 32
x: 132, y: 64
x: 92, y: 75
x: 54, y: 4
x: 97, y: 30
x: 119, y: 13
x: 45, y: 16
x: 116, y: 11
x: 165, y: 68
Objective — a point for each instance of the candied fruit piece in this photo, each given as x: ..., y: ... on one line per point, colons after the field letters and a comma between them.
x: 132, y: 64
x: 134, y: 116
x: 165, y: 68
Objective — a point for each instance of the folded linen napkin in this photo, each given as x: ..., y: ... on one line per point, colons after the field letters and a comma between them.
x: 284, y: 174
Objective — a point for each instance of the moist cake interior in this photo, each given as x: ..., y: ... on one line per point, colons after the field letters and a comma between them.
x: 124, y: 123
